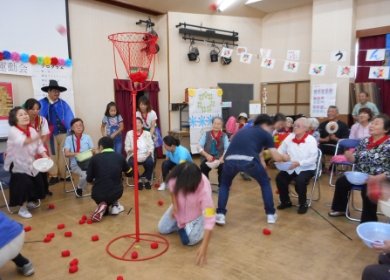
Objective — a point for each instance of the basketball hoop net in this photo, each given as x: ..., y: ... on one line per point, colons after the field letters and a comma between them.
x: 137, y: 51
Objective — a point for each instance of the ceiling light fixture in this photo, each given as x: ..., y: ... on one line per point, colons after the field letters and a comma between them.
x: 252, y: 1
x: 224, y: 4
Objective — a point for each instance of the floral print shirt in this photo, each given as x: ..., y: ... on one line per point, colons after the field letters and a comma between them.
x: 374, y: 161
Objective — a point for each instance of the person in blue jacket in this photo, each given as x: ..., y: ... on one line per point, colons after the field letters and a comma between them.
x: 11, y: 243
x: 59, y: 115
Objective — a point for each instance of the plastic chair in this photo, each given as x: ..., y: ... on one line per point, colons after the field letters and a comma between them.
x: 69, y: 174
x: 344, y: 144
x: 5, y: 177
x: 351, y: 204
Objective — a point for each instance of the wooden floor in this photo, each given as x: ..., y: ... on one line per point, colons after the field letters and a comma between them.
x: 300, y: 246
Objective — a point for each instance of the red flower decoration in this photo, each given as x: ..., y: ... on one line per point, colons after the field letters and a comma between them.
x: 54, y: 61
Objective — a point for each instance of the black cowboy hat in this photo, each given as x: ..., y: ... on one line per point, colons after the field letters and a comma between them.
x: 53, y: 84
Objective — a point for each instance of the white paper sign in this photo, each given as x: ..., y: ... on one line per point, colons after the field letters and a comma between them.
x: 254, y: 108
x: 15, y: 68
x: 375, y: 55
x: 63, y: 75
x: 317, y: 69
x: 246, y: 58
x: 265, y: 53
x: 379, y: 72
x: 346, y: 72
x: 290, y: 66
x: 321, y: 97
x: 338, y: 56
x: 226, y: 52
x: 240, y: 50
x: 293, y: 55
x: 268, y: 63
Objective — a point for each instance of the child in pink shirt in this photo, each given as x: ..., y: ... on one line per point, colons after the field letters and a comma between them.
x: 192, y: 213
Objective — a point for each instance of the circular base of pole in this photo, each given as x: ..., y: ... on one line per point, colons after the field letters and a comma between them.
x: 124, y: 246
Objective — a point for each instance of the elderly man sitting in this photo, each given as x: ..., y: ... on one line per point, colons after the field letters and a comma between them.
x: 301, y: 149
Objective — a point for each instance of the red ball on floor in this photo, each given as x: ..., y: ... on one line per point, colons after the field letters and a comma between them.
x: 74, y: 262
x: 51, y: 206
x: 27, y: 228
x: 95, y: 237
x: 60, y: 226
x: 154, y: 245
x: 81, y: 222
x: 68, y: 234
x: 84, y: 217
x: 120, y: 277
x: 65, y: 253
x: 47, y: 239
x: 89, y: 221
x: 266, y: 231
x: 73, y: 269
x: 134, y: 255
x: 51, y: 235
x: 160, y: 202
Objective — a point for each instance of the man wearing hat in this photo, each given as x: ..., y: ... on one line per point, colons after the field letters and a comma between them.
x: 59, y: 115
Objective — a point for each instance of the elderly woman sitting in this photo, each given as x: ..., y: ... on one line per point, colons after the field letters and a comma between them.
x: 301, y: 149
x: 372, y: 156
x: 361, y: 128
x: 213, y: 145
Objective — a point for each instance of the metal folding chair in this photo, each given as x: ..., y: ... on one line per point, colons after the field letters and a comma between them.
x: 4, y: 184
x: 69, y: 174
x: 335, y: 171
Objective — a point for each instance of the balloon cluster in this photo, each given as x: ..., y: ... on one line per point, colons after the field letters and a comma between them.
x: 33, y: 59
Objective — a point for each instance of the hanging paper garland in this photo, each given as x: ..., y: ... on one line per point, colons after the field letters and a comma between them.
x: 6, y: 55
x: 68, y: 62
x: 33, y: 59
x: 15, y: 56
x: 1, y: 56
x: 40, y: 60
x: 24, y: 57
x: 54, y: 61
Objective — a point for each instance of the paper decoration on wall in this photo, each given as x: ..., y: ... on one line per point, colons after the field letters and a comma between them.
x: 246, y: 58
x: 293, y: 55
x: 15, y: 68
x: 317, y: 69
x: 240, y: 50
x: 346, y: 72
x: 268, y: 63
x: 338, y: 56
x: 204, y: 105
x: 375, y: 55
x: 226, y: 52
x: 322, y: 96
x: 6, y: 104
x: 265, y: 53
x: 379, y: 72
x: 290, y: 66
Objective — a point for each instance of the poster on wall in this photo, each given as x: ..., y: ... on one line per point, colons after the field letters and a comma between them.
x: 6, y: 104
x: 10, y: 67
x: 63, y: 75
x: 204, y: 105
x: 338, y: 56
x: 379, y: 72
x: 321, y: 97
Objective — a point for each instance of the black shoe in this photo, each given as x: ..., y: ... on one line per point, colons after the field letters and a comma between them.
x: 140, y: 186
x: 302, y: 209
x: 148, y: 186
x: 53, y: 181
x: 49, y: 193
x: 79, y: 192
x: 284, y: 205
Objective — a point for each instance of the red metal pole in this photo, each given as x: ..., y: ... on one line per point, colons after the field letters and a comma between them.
x: 135, y: 166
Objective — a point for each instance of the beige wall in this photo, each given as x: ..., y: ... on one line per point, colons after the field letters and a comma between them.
x: 290, y: 29
x: 372, y: 13
x: 184, y: 74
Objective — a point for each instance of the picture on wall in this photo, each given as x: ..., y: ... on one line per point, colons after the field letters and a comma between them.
x: 6, y: 100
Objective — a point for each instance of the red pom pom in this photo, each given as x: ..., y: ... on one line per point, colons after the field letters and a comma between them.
x: 65, y: 253
x: 51, y: 206
x: 47, y: 239
x: 51, y: 234
x: 160, y: 202
x: 73, y: 269
x: 54, y: 61
x: 213, y: 7
x: 134, y: 255
x: 84, y: 217
x: 1, y: 56
x: 68, y: 234
x: 154, y: 245
x: 81, y: 222
x: 266, y: 231
x: 120, y: 277
x: 95, y: 237
x: 74, y: 262
x: 27, y: 228
x: 60, y: 226
x: 89, y: 221
x: 33, y: 59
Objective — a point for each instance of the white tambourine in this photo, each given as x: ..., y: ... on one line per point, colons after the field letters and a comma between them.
x: 332, y: 127
x: 43, y: 164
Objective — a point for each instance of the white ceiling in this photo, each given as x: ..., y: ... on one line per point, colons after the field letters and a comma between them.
x: 256, y: 9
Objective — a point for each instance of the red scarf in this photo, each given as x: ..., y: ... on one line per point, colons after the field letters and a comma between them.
x: 78, y: 143
x: 37, y: 123
x: 139, y: 135
x: 300, y: 141
x: 371, y: 144
x: 217, y: 137
x: 145, y: 118
x: 240, y: 125
x: 25, y: 131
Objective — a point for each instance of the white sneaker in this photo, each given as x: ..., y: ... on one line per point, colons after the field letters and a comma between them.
x: 116, y: 209
x: 24, y: 213
x: 271, y: 218
x: 32, y: 205
x: 220, y: 219
x: 162, y: 187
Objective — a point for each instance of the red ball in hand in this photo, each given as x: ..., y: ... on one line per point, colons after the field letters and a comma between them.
x: 134, y: 255
x: 266, y: 231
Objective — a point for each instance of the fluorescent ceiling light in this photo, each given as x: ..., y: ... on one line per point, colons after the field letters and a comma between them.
x: 252, y: 1
x: 224, y: 4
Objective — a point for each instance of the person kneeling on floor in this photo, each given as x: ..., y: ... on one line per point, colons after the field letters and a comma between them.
x: 192, y: 212
x: 11, y: 243
x: 105, y: 173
